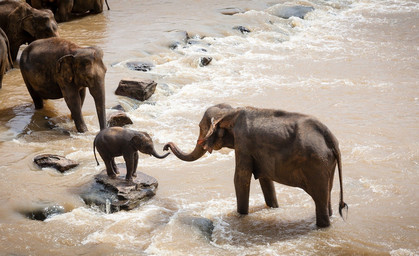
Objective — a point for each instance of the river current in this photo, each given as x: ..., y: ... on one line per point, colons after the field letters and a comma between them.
x: 351, y: 63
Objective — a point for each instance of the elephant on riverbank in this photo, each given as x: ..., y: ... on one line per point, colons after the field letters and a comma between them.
x: 5, y: 57
x: 64, y: 8
x: 117, y: 141
x: 55, y: 68
x: 289, y: 148
x: 24, y: 24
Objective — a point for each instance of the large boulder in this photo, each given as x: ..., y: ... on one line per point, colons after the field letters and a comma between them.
x: 112, y: 195
x: 57, y: 162
x: 136, y: 89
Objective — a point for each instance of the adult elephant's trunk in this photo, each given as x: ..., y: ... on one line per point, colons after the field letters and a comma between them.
x: 194, y: 155
x: 156, y: 155
x: 99, y: 97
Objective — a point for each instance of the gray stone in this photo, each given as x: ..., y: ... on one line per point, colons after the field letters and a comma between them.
x: 60, y: 163
x: 287, y: 12
x: 42, y: 211
x: 230, y: 10
x: 204, y: 61
x: 203, y: 225
x: 242, y: 29
x: 112, y: 195
x: 119, y: 118
x: 139, y: 66
x: 136, y: 89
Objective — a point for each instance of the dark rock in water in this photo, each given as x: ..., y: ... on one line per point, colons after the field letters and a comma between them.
x: 204, y: 225
x: 60, y: 163
x: 204, y: 61
x: 139, y: 66
x: 242, y: 29
x: 119, y: 119
x: 287, y: 12
x: 43, y: 211
x: 230, y: 10
x: 139, y: 90
x: 119, y: 107
x: 112, y: 195
x: 177, y: 38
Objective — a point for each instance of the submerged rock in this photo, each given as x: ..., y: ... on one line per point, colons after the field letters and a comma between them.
x: 287, y: 12
x: 139, y: 66
x: 203, y: 225
x: 60, y: 163
x: 136, y: 89
x: 242, y: 29
x: 42, y: 211
x: 112, y: 195
x: 230, y: 10
x: 204, y: 61
x: 119, y: 118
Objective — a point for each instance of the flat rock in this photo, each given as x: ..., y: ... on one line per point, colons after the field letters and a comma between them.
x: 136, y: 89
x: 119, y: 118
x: 230, y: 10
x: 112, y: 195
x: 60, y: 163
x: 287, y: 12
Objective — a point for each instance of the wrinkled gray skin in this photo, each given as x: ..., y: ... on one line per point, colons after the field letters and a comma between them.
x: 117, y: 141
x: 24, y: 24
x: 5, y: 56
x: 273, y: 145
x: 55, y: 68
x: 63, y: 8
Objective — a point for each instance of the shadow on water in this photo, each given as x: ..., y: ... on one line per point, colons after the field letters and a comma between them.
x: 24, y: 121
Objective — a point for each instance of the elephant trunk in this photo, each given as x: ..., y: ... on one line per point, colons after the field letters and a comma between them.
x: 156, y: 155
x: 99, y: 97
x: 197, y: 153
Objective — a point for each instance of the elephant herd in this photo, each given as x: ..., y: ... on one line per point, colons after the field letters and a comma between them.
x: 272, y: 145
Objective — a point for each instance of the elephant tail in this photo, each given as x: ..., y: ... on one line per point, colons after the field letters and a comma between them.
x: 342, y: 204
x: 94, y: 151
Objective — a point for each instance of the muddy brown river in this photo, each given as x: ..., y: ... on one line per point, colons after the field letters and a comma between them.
x: 352, y: 64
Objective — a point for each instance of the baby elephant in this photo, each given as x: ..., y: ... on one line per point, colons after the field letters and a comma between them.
x: 117, y: 141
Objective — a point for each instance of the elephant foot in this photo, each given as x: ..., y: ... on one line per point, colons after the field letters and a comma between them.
x: 323, y: 221
x: 134, y: 175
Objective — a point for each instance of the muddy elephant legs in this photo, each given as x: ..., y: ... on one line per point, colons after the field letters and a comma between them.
x: 269, y: 193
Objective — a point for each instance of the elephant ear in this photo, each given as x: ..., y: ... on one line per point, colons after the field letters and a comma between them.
x: 137, y: 141
x: 16, y: 17
x: 225, y: 120
x: 64, y: 68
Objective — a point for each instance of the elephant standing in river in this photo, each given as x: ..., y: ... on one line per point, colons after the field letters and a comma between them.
x: 273, y: 145
x: 54, y: 68
x: 118, y: 141
x: 63, y: 8
x: 24, y: 24
x: 5, y: 57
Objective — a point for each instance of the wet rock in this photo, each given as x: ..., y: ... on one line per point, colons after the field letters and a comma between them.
x: 119, y: 107
x: 230, y: 10
x: 139, y: 66
x: 42, y: 211
x: 203, y: 225
x: 112, y: 195
x: 60, y: 163
x: 287, y: 12
x: 136, y: 89
x: 177, y: 38
x: 204, y: 61
x: 119, y: 118
x: 242, y: 29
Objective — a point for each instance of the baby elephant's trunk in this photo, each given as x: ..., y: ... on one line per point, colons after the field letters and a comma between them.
x: 155, y: 154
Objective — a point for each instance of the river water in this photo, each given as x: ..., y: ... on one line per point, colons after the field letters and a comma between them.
x: 352, y: 64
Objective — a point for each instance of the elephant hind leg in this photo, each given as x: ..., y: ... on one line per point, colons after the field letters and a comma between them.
x: 37, y: 99
x: 268, y: 190
x: 322, y: 202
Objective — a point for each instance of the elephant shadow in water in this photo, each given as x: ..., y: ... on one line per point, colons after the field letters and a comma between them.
x: 23, y: 121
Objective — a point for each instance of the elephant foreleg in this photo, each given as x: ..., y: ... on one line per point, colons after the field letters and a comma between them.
x: 129, y: 162
x: 109, y: 168
x: 73, y: 101
x: 82, y: 94
x: 242, y: 177
x: 134, y: 174
x: 268, y: 190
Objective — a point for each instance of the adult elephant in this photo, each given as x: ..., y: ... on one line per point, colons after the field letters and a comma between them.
x: 273, y: 145
x: 24, y: 24
x: 5, y: 58
x: 54, y: 68
x: 63, y: 8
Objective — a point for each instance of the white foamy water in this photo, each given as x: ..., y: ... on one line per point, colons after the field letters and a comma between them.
x: 352, y: 64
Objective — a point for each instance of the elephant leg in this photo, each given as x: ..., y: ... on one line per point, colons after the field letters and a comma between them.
x: 242, y: 177
x: 330, y: 192
x: 115, y: 168
x: 129, y: 162
x: 82, y: 94
x: 109, y: 167
x: 268, y: 190
x: 74, y: 104
x: 37, y: 99
x: 134, y: 174
x: 321, y: 199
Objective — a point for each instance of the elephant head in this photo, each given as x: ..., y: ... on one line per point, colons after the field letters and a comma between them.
x: 143, y: 143
x: 27, y: 24
x: 84, y: 68
x: 215, y: 132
